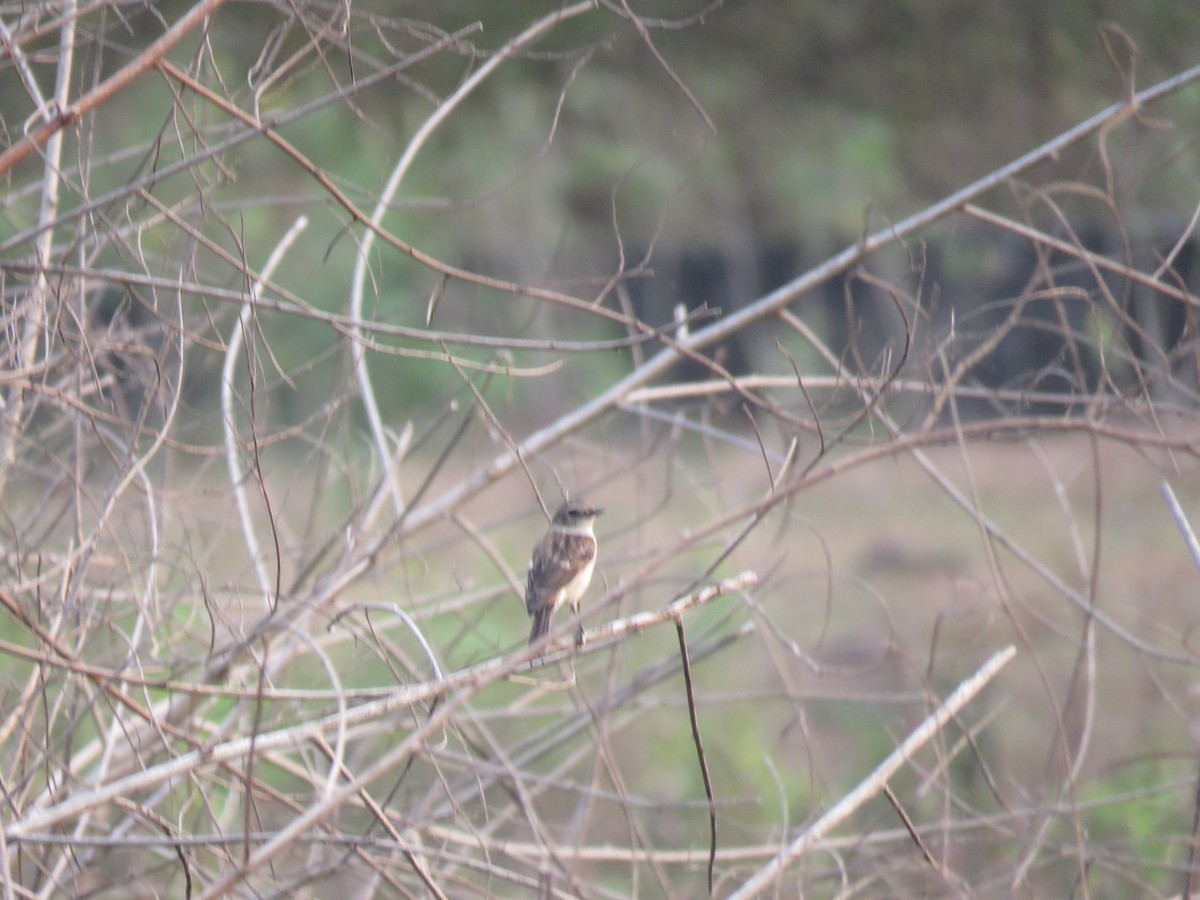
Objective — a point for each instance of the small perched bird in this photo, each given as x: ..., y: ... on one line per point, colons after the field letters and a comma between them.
x: 562, y: 563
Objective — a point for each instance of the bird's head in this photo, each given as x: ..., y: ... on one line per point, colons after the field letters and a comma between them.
x: 576, y: 514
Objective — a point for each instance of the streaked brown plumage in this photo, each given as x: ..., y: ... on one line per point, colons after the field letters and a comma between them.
x: 561, y: 568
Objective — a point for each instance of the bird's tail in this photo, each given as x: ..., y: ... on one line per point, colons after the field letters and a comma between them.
x: 541, y: 624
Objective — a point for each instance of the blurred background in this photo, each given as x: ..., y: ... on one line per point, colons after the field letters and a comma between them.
x: 772, y: 137
x: 263, y: 464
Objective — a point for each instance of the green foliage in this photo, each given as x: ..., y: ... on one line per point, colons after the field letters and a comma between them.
x: 1131, y: 821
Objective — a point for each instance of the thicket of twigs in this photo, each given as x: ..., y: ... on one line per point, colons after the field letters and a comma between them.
x: 264, y: 644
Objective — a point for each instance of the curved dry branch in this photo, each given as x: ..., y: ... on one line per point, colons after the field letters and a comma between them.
x: 358, y: 285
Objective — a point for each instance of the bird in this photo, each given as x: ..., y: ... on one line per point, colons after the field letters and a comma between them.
x: 560, y: 569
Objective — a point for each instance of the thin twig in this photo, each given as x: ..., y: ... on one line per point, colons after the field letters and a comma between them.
x: 228, y: 418
x: 694, y: 718
x: 911, y: 828
x: 1181, y: 522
